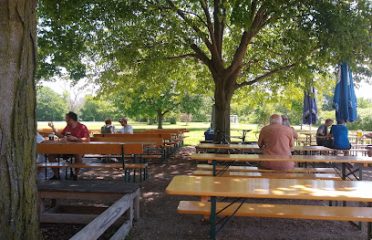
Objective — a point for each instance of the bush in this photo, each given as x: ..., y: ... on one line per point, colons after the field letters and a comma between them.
x: 362, y: 124
x: 173, y: 120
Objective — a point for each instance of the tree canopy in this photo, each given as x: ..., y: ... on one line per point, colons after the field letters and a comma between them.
x: 235, y: 43
x: 50, y: 105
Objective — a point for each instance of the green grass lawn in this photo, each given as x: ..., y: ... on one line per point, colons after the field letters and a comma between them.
x: 195, y: 134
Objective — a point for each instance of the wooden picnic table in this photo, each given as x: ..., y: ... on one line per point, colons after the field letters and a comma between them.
x: 256, y: 148
x: 271, y: 188
x: 83, y: 190
x: 61, y: 147
x: 267, y: 188
x: 214, y: 158
x: 100, y: 148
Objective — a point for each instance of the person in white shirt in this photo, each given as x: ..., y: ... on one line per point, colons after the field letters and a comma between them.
x: 126, y: 128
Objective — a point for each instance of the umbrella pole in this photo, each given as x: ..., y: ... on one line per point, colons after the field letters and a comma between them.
x: 310, y: 134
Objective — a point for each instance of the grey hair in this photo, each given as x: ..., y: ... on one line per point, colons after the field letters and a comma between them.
x: 275, y: 119
x: 285, y: 121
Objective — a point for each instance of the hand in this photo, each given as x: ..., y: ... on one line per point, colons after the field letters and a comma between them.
x: 72, y: 138
x: 50, y: 124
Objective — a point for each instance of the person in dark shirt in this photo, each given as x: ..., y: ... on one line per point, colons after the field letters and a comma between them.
x: 322, y: 134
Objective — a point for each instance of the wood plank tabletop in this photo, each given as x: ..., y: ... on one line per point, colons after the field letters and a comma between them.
x: 228, y: 146
x: 59, y: 147
x: 256, y: 147
x: 293, y: 158
x: 91, y: 186
x: 271, y: 188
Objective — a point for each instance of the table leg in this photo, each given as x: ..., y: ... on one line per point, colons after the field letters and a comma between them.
x: 214, y: 163
x: 212, y: 219
x: 343, y: 171
x: 360, y: 172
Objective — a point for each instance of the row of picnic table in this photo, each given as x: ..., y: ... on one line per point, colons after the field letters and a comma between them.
x: 218, y: 183
x: 132, y: 150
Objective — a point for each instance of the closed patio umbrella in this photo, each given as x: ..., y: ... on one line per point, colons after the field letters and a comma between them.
x: 344, y: 100
x: 310, y: 110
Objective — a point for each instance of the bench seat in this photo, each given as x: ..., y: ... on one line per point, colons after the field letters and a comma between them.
x: 92, y: 165
x: 256, y: 169
x: 326, y: 176
x: 310, y: 212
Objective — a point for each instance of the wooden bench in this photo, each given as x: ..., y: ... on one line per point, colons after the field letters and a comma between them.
x: 344, y: 161
x: 166, y: 147
x: 284, y: 175
x: 129, y: 168
x: 153, y: 146
x: 124, y: 196
x: 294, y: 189
x: 309, y: 212
x: 256, y: 169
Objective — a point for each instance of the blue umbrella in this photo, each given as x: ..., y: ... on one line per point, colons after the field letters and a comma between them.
x: 310, y: 110
x: 344, y: 100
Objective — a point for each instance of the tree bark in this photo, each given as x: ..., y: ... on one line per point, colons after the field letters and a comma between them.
x: 160, y: 119
x: 222, y: 95
x: 18, y: 201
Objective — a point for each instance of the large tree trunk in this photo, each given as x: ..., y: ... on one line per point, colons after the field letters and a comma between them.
x: 160, y: 119
x: 18, y: 205
x: 222, y: 96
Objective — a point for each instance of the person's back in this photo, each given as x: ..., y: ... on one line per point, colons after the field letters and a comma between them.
x: 340, y: 137
x: 276, y: 139
x: 107, y: 129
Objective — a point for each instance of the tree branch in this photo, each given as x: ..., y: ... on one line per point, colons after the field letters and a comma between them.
x: 204, y: 5
x: 201, y: 55
x: 258, y: 22
x: 193, y: 55
x: 266, y: 75
x: 199, y: 32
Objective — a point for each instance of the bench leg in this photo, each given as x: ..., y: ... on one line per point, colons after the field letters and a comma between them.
x: 212, y: 219
x: 136, y: 204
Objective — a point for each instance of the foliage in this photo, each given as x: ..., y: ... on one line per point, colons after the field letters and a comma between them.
x: 50, y: 105
x: 95, y: 109
x: 239, y: 43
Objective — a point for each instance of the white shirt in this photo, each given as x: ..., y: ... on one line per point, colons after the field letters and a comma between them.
x: 127, y: 129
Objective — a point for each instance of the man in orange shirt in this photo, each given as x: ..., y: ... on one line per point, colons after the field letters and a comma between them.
x: 276, y: 139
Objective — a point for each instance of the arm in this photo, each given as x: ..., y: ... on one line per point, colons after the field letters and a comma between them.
x: 60, y: 135
x: 83, y: 136
x: 260, y: 140
x: 130, y: 129
x: 368, y: 135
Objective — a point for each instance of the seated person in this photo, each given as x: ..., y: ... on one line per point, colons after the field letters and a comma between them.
x: 369, y: 147
x: 40, y: 157
x: 340, y: 137
x: 73, y: 132
x: 285, y: 122
x: 126, y: 127
x: 108, y: 127
x: 322, y: 134
x: 276, y: 139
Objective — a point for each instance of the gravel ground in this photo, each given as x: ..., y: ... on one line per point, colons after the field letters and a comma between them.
x: 159, y: 219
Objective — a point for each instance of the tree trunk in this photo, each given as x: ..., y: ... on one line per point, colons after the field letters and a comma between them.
x: 18, y: 201
x: 222, y: 95
x: 160, y: 119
